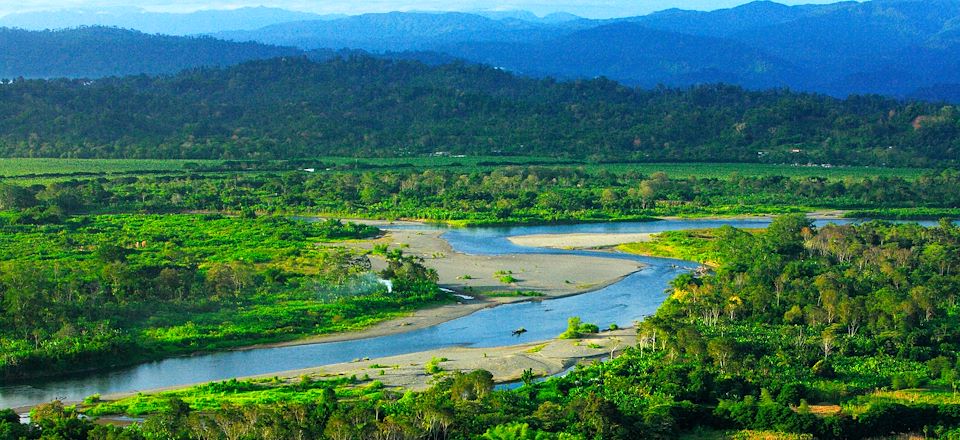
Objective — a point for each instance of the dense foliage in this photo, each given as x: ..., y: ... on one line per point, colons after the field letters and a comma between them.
x: 94, y: 292
x: 511, y: 194
x: 820, y: 331
x: 799, y: 330
x: 293, y: 107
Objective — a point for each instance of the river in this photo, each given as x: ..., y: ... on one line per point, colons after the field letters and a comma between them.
x: 622, y: 303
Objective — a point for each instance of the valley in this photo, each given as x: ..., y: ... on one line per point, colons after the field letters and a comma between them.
x: 365, y: 220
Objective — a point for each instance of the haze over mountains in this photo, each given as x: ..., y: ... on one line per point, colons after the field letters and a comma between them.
x: 902, y: 48
x: 99, y: 52
x: 200, y: 22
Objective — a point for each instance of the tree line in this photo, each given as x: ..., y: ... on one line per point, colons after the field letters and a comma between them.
x: 512, y: 194
x: 360, y: 105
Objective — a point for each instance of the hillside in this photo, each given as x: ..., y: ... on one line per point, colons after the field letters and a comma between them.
x: 401, y: 31
x: 636, y: 55
x: 98, y: 51
x: 293, y: 107
x: 898, y: 48
x: 839, y: 49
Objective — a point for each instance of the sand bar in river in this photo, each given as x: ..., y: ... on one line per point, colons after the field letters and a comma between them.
x: 580, y: 240
x: 552, y: 276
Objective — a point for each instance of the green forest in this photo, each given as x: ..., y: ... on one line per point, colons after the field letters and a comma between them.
x: 512, y: 194
x: 363, y: 106
x: 98, y: 292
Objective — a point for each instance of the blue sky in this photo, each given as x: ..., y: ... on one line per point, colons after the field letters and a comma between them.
x: 586, y: 8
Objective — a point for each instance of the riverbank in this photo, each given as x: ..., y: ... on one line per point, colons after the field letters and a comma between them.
x: 478, y: 278
x: 419, y: 371
x: 507, y: 363
x: 475, y: 280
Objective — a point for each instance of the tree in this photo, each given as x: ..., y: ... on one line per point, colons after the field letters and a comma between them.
x: 229, y: 279
x: 16, y: 197
x: 852, y: 312
x: 513, y: 431
x: 952, y: 377
x: 648, y: 193
x: 722, y: 351
x: 925, y: 299
x: 785, y: 235
x: 828, y: 341
x: 471, y: 386
x: 170, y: 423
x: 23, y: 287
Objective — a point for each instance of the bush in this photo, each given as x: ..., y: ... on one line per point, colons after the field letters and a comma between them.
x: 577, y: 328
x: 792, y: 393
x: 433, y: 366
x: 885, y: 418
x: 824, y: 368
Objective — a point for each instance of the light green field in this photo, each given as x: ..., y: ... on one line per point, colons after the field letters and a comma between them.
x: 675, y: 170
x: 28, y: 167
x: 45, y: 169
x: 724, y: 170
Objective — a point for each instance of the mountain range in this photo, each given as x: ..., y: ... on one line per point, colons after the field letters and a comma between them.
x: 200, y: 22
x: 96, y: 52
x: 891, y: 47
x: 899, y: 48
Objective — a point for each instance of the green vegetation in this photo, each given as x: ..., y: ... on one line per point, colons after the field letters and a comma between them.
x: 362, y: 106
x: 694, y: 245
x: 831, y: 332
x: 100, y: 291
x: 905, y: 213
x: 506, y: 195
x: 576, y: 329
x: 50, y: 169
x: 799, y: 333
x: 214, y: 395
x: 513, y: 294
x: 433, y: 367
x: 94, y: 167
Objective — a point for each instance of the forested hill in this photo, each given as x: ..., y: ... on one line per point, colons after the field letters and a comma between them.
x: 102, y: 51
x: 294, y: 107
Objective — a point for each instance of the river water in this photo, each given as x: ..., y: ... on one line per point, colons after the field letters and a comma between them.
x: 622, y: 303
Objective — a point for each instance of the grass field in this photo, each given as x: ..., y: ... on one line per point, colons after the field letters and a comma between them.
x: 215, y: 395
x: 25, y: 168
x: 39, y: 167
x: 723, y: 170
x: 676, y: 170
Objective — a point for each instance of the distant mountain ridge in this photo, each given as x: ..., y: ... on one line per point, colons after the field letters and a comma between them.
x: 96, y: 52
x: 839, y: 48
x: 200, y: 22
x: 637, y: 55
x: 900, y: 48
x: 400, y: 31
